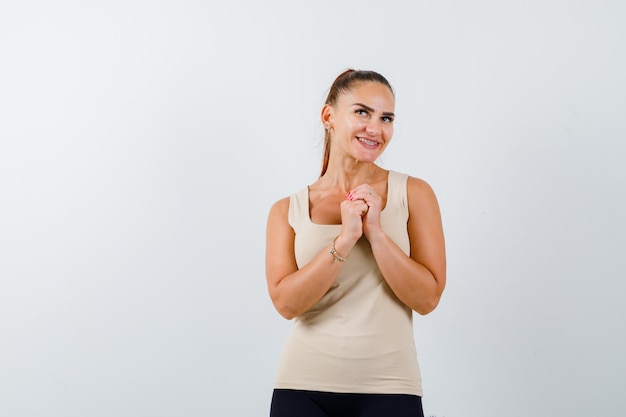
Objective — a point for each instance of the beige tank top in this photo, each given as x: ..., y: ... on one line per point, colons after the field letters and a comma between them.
x: 359, y: 337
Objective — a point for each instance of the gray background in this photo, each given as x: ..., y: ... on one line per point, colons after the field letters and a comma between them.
x: 143, y: 142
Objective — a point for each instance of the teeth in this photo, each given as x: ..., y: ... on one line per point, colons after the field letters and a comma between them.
x: 367, y: 142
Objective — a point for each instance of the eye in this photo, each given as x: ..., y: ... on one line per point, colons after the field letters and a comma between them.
x: 361, y: 112
x: 387, y: 119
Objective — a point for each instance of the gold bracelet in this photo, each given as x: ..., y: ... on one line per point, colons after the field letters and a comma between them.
x: 335, y: 254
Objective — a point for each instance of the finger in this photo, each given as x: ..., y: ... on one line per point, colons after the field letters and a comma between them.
x: 361, y: 194
x: 358, y: 207
x: 370, y: 200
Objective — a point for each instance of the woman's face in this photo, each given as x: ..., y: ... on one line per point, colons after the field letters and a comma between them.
x: 362, y: 121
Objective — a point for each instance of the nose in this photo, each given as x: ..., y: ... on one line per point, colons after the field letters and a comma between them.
x: 373, y: 128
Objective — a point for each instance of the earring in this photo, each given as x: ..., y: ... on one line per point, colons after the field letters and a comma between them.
x: 326, y: 126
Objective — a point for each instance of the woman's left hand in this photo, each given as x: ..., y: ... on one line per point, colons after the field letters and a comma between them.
x: 371, y: 219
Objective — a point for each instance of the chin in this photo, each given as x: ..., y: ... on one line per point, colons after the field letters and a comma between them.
x: 369, y: 159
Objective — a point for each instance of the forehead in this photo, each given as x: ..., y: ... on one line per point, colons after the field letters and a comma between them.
x: 373, y: 94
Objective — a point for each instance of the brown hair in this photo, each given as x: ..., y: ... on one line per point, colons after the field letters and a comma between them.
x: 342, y: 84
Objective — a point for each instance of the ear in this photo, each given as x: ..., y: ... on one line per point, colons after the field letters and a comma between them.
x: 327, y: 116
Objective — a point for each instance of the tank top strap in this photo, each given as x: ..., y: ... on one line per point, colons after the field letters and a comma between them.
x: 397, y: 191
x: 298, y: 207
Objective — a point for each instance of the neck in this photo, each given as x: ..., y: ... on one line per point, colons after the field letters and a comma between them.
x: 349, y: 176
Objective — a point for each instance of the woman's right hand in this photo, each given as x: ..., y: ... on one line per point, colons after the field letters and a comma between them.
x: 352, y: 212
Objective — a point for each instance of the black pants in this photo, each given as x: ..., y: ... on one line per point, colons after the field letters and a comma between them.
x: 299, y: 403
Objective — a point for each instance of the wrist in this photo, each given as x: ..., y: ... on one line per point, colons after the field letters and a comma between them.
x: 374, y: 236
x: 340, y: 247
x: 333, y: 251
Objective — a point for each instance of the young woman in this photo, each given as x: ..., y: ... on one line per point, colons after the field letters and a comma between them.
x: 350, y: 257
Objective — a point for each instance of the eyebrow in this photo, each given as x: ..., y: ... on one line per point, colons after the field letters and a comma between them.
x: 368, y: 108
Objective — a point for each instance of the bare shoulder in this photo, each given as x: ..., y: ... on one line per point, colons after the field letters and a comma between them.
x: 279, y: 213
x: 420, y: 192
x: 280, y: 207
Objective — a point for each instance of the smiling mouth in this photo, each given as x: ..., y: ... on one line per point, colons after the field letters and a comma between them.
x: 367, y: 142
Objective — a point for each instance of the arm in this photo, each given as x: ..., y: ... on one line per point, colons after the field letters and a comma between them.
x: 417, y: 280
x: 293, y: 291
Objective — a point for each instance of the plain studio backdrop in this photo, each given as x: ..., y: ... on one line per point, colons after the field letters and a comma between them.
x: 142, y: 144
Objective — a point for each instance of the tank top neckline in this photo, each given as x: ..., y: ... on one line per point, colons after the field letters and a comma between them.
x: 308, y: 204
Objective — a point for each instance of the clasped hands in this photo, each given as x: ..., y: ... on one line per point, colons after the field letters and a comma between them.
x: 360, y: 211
